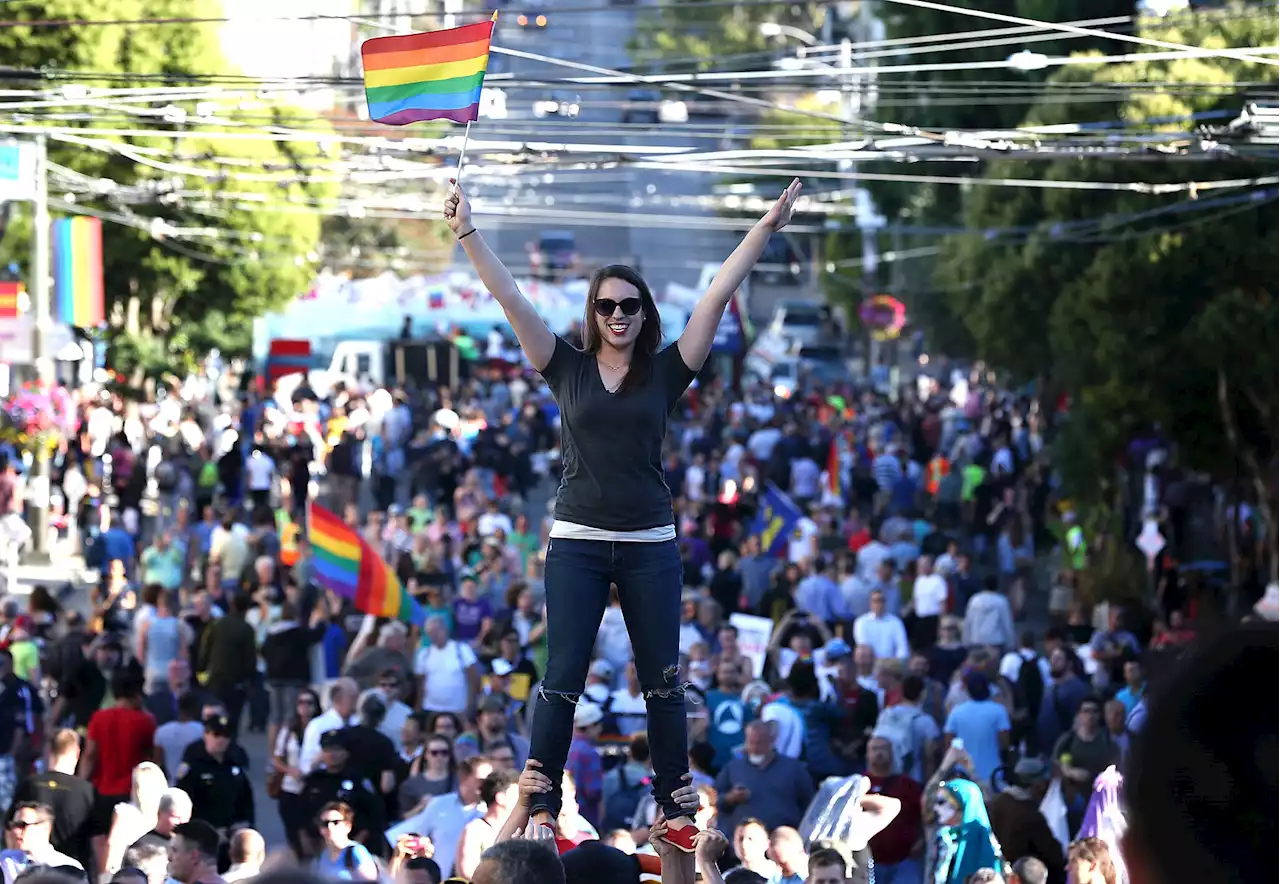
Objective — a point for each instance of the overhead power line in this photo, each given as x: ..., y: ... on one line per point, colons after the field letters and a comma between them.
x: 1239, y: 55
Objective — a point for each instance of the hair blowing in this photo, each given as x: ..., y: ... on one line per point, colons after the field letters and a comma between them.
x: 650, y: 337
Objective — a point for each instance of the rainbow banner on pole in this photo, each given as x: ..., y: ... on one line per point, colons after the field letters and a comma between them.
x: 347, y: 566
x: 78, y: 292
x: 433, y: 76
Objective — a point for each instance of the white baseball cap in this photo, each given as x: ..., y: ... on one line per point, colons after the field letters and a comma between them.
x: 587, y: 714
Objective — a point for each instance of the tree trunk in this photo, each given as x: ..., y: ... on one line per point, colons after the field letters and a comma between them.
x: 1246, y: 455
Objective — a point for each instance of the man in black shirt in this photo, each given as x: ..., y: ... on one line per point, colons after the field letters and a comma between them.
x: 218, y: 784
x: 70, y: 797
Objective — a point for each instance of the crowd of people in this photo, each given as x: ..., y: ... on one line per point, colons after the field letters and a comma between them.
x: 918, y: 650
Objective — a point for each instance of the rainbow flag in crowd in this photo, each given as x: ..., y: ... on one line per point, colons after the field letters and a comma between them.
x: 431, y: 76
x: 346, y: 565
x: 78, y: 291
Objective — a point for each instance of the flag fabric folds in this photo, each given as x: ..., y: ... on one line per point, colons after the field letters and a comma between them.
x: 346, y: 565
x: 775, y: 521
x: 432, y: 76
x: 78, y: 288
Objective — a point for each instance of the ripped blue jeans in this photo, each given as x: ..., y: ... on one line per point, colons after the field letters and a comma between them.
x: 649, y: 580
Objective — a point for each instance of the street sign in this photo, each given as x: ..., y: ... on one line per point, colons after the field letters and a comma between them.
x: 17, y: 171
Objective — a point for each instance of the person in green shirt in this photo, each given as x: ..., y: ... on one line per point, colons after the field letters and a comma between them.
x: 26, y: 656
x: 525, y: 540
x: 419, y: 513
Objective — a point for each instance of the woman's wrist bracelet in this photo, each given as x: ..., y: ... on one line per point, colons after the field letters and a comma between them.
x: 465, y: 235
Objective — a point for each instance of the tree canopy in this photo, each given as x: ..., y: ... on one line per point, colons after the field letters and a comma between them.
x: 170, y: 300
x: 1143, y: 309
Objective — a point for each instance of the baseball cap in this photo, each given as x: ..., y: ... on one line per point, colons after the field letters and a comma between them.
x: 587, y: 714
x: 601, y: 669
x: 836, y: 648
x: 1031, y: 770
x: 493, y: 703
x: 219, y: 725
x: 502, y: 667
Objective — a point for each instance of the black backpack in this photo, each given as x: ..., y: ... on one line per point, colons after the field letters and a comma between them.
x: 1028, y: 692
x: 621, y: 807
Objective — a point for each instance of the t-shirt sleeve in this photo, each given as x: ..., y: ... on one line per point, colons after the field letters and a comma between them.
x: 565, y: 359
x: 468, y: 655
x: 676, y: 376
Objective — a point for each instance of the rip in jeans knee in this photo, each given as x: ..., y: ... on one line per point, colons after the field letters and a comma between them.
x: 547, y: 696
x: 670, y: 674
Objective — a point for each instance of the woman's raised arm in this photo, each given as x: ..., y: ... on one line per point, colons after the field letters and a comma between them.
x: 535, y: 338
x: 698, y: 336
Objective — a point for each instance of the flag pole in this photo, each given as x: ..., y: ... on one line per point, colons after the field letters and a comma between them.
x: 462, y: 154
x: 466, y: 136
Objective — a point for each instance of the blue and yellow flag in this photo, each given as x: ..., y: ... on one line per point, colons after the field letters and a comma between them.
x: 776, y: 519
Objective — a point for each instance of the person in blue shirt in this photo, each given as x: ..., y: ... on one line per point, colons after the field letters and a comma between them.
x: 117, y: 545
x: 983, y: 725
x: 727, y: 714
x: 341, y: 858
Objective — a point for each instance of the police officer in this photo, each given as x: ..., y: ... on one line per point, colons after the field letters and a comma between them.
x: 337, y: 779
x: 215, y: 774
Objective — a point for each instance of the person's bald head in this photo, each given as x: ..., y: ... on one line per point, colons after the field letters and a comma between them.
x: 248, y: 848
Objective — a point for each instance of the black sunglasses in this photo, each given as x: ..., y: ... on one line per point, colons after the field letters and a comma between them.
x: 606, y: 306
x: 331, y: 823
x: 439, y: 753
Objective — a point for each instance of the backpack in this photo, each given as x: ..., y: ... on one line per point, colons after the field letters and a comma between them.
x: 620, y: 809
x: 208, y: 476
x: 1028, y: 692
x: 897, y: 725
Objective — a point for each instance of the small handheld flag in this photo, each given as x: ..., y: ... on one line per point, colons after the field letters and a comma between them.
x: 437, y: 75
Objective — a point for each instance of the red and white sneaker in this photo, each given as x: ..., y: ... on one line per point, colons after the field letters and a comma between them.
x: 682, y: 838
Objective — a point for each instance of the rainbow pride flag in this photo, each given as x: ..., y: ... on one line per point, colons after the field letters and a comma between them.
x: 346, y: 565
x: 78, y: 291
x: 431, y: 76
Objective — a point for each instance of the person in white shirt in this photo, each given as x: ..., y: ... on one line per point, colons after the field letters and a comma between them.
x: 341, y: 713
x: 988, y: 618
x: 248, y: 853
x: 390, y: 687
x: 884, y: 632
x: 259, y: 473
x: 628, y: 704
x: 869, y: 559
x: 928, y: 601
x: 448, y: 672
x: 802, y: 546
x: 493, y: 520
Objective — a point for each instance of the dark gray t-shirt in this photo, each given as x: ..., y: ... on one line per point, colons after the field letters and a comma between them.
x: 611, y: 443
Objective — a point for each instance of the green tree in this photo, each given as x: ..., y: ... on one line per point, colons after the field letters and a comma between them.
x: 1144, y: 309
x: 696, y: 35
x: 169, y: 298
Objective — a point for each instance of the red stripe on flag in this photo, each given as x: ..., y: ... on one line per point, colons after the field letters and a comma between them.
x: 290, y: 347
x: 417, y: 42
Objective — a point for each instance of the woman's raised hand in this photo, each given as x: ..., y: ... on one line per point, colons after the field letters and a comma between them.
x: 779, y: 216
x: 457, y: 211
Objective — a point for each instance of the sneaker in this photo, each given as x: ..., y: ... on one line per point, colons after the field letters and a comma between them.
x: 682, y: 838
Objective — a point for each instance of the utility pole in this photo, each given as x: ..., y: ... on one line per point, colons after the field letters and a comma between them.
x: 38, y: 489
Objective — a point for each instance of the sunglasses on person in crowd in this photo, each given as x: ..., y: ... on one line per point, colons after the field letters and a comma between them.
x: 331, y: 822
x: 606, y: 306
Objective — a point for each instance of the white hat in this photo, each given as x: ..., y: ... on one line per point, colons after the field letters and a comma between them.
x: 502, y: 667
x: 587, y: 714
x: 601, y: 668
